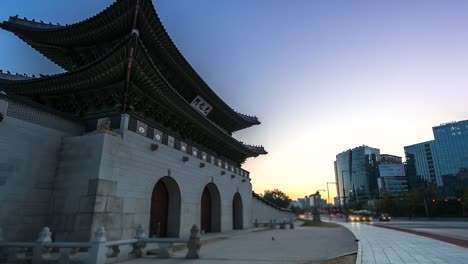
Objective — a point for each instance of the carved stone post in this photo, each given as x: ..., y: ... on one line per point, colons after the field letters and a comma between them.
x: 44, y: 237
x: 3, y: 251
x: 140, y: 235
x: 97, y: 253
x: 193, y: 244
x: 283, y: 225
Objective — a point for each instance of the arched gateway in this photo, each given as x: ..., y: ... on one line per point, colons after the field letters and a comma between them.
x: 210, y: 220
x: 237, y: 215
x: 165, y: 209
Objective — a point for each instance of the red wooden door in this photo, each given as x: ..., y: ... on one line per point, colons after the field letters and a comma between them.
x: 206, y: 211
x: 159, y: 210
x: 237, y: 212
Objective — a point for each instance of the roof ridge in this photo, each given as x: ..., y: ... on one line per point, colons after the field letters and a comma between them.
x: 41, y: 24
x: 16, y: 76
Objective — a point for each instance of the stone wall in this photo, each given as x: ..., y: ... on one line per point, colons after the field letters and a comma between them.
x: 52, y: 174
x: 109, y: 178
x: 264, y: 212
x: 28, y: 160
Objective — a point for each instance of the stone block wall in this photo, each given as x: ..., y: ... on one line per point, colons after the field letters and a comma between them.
x: 264, y: 212
x: 107, y: 179
x: 28, y: 163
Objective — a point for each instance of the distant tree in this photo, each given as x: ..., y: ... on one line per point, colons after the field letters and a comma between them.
x: 277, y: 197
x: 296, y: 209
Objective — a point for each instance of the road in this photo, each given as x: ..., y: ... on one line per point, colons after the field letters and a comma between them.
x: 458, y: 230
x: 384, y: 245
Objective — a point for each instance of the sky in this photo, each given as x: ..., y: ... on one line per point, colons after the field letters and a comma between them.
x: 322, y: 76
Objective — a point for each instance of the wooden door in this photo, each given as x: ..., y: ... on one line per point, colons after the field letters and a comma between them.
x: 206, y: 210
x: 159, y: 210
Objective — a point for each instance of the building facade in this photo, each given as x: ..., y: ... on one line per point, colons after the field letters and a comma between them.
x: 129, y: 134
x: 422, y: 164
x: 392, y: 176
x: 446, y: 155
x: 451, y: 142
x: 356, y: 174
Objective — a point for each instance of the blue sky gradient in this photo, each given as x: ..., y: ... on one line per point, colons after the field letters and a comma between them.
x: 322, y: 76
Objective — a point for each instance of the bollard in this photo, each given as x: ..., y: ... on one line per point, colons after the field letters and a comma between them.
x: 193, y: 244
x: 140, y: 234
x: 283, y: 225
x: 256, y: 222
x: 3, y: 251
x: 38, y: 250
x: 97, y: 253
x: 291, y: 224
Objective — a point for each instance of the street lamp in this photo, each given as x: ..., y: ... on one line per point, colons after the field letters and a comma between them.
x: 328, y: 191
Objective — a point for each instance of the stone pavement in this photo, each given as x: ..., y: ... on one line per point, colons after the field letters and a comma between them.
x: 299, y: 245
x: 381, y: 245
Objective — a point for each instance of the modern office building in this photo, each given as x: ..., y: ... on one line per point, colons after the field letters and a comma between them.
x: 444, y: 156
x: 421, y: 164
x: 356, y: 173
x: 451, y: 142
x: 392, y: 177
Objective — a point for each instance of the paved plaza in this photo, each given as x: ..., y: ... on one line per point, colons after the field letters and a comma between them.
x: 382, y: 245
x: 299, y: 245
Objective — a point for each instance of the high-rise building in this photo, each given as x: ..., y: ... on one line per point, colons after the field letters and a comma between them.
x: 421, y: 164
x: 451, y: 142
x: 356, y: 173
x: 446, y: 155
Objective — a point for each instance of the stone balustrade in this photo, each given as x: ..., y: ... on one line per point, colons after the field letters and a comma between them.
x: 98, y: 251
x: 272, y: 224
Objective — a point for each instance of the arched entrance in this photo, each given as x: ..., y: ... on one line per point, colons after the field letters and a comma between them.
x: 210, y: 220
x: 237, y: 216
x: 165, y: 209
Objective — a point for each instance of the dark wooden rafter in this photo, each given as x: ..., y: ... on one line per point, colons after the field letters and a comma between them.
x: 81, y: 43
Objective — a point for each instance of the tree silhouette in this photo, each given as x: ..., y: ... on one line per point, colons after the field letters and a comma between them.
x: 277, y: 197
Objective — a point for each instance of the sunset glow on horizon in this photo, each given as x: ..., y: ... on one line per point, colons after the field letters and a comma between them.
x: 322, y: 76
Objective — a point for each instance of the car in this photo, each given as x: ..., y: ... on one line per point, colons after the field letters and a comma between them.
x: 360, y: 218
x: 384, y: 217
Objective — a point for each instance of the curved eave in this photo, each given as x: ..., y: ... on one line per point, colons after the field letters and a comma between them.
x: 258, y: 150
x: 58, y: 43
x: 111, y: 69
x: 239, y: 121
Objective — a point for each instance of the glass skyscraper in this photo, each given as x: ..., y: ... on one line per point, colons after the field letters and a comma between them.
x: 451, y: 142
x: 446, y: 155
x: 421, y: 164
x: 356, y: 170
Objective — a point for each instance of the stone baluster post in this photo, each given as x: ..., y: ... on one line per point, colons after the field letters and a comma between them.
x: 140, y: 235
x: 44, y: 237
x: 97, y: 253
x: 3, y: 251
x: 283, y: 225
x: 193, y: 244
